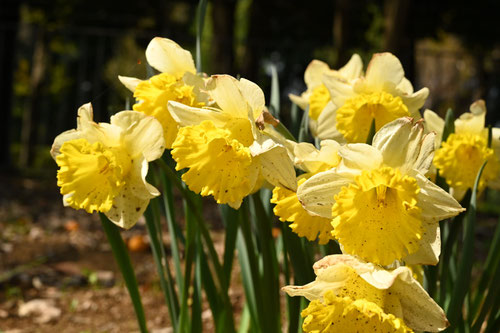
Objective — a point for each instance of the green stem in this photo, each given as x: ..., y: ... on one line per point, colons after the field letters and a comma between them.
x: 123, y: 260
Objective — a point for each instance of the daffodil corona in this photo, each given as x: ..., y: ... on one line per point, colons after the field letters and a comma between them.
x: 382, y: 95
x: 102, y: 167
x: 176, y: 82
x: 381, y: 205
x: 227, y: 150
x: 350, y: 295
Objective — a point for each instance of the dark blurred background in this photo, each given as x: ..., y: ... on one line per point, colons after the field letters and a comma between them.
x: 58, y: 54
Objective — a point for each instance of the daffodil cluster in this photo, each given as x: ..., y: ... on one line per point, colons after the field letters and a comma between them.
x: 375, y: 200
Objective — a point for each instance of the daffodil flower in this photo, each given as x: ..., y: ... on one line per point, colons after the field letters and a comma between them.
x: 287, y: 206
x: 383, y: 207
x: 383, y: 95
x: 176, y: 82
x: 103, y: 167
x: 227, y: 155
x: 460, y: 157
x: 316, y: 98
x: 349, y: 295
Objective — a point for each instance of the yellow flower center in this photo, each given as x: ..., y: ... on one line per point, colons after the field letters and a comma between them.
x: 377, y: 217
x: 460, y: 158
x: 318, y: 99
x: 153, y: 96
x: 219, y: 160
x: 355, y: 117
x: 289, y: 208
x: 343, y: 314
x: 91, y: 175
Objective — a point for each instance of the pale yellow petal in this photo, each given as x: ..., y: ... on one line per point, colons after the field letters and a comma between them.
x: 225, y: 90
x: 277, y: 168
x: 405, y: 146
x: 142, y: 135
x: 353, y: 69
x: 167, y: 56
x: 317, y: 193
x: 472, y: 123
x: 429, y: 246
x: 310, y: 159
x: 129, y: 82
x: 327, y: 124
x: 302, y: 101
x: 405, y: 86
x: 340, y: 90
x: 436, y: 203
x: 189, y: 116
x: 415, y: 101
x: 62, y: 138
x: 384, y: 70
x: 199, y: 87
x: 420, y: 312
x: 435, y: 124
x: 314, y: 73
x: 129, y: 205
x: 360, y: 156
x: 253, y: 95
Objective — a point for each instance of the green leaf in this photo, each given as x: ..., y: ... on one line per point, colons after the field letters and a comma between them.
x: 462, y: 284
x: 371, y: 133
x: 166, y: 282
x: 488, y: 288
x: 449, y: 125
x: 304, y: 127
x: 123, y: 260
x: 200, y: 22
x: 275, y: 92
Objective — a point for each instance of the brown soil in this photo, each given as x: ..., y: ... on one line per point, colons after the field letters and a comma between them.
x: 44, y: 256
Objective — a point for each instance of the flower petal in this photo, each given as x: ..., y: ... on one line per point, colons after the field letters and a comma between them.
x: 253, y: 95
x: 129, y: 205
x: 384, y: 68
x: 302, y: 101
x: 436, y: 203
x: 435, y: 124
x: 415, y: 101
x: 353, y: 69
x: 429, y: 246
x: 167, y: 56
x: 317, y: 193
x: 404, y: 145
x: 129, y: 82
x: 360, y: 156
x: 314, y: 73
x: 142, y: 135
x: 190, y: 116
x: 225, y: 90
x: 420, y: 312
x: 277, y: 167
x: 327, y: 124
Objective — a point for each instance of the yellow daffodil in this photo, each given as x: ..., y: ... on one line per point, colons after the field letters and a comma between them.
x: 176, y: 82
x: 316, y: 98
x: 103, y: 167
x: 460, y: 157
x: 230, y: 150
x: 349, y: 295
x: 383, y: 94
x: 288, y: 207
x: 383, y: 207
